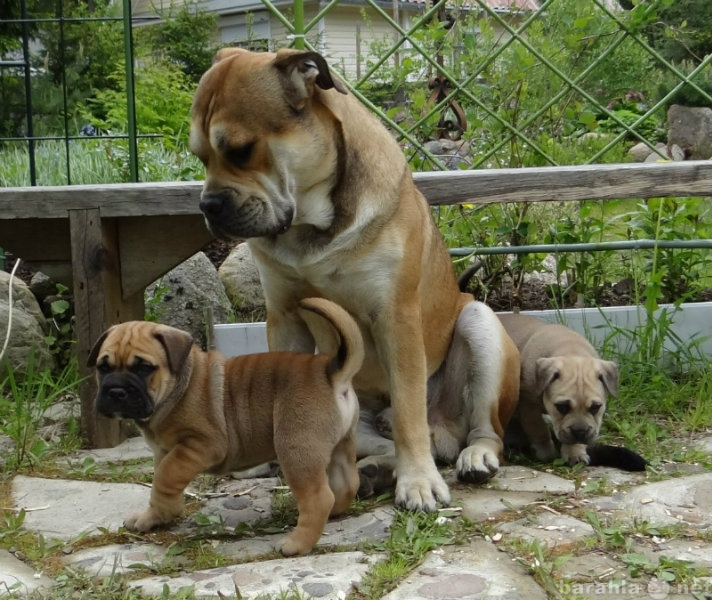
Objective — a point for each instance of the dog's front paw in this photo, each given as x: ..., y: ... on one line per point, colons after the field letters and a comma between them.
x: 421, y: 489
x: 477, y: 463
x: 143, y: 521
x: 574, y: 453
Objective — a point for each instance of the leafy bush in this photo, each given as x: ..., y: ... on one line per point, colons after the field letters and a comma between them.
x: 164, y: 94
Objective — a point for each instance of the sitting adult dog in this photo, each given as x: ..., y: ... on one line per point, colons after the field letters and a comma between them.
x: 326, y: 199
x: 201, y: 412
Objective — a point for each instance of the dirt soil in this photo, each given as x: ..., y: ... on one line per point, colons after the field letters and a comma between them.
x: 500, y: 295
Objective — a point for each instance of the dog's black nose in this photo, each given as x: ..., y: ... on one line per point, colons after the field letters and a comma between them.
x: 117, y: 394
x: 212, y: 204
x: 580, y: 434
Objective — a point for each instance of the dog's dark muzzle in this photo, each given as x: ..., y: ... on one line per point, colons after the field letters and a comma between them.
x: 583, y: 434
x: 124, y: 396
x: 232, y: 217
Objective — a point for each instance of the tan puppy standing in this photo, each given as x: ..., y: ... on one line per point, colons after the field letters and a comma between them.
x: 326, y: 199
x: 201, y: 412
x: 562, y: 376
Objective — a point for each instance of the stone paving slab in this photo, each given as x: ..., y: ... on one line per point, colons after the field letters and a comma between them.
x: 514, y: 478
x: 66, y: 509
x: 552, y: 530
x: 327, y: 576
x: 367, y: 528
x: 16, y: 576
x: 470, y: 572
x: 112, y: 559
x: 685, y: 500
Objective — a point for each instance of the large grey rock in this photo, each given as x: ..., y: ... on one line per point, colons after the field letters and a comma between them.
x: 28, y: 328
x: 241, y: 280
x: 182, y: 297
x: 690, y: 127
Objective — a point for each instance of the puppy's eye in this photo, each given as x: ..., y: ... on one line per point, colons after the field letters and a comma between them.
x: 594, y: 408
x: 563, y: 407
x: 142, y: 369
x: 103, y: 368
x: 240, y: 155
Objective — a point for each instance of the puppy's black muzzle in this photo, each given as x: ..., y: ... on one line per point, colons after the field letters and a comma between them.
x: 124, y: 396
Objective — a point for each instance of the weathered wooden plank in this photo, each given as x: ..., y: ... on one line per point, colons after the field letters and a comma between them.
x: 539, y: 184
x: 584, y: 182
x: 152, y: 246
x: 88, y: 262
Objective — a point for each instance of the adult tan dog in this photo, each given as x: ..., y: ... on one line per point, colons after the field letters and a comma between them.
x: 201, y: 412
x: 562, y: 376
x: 327, y: 201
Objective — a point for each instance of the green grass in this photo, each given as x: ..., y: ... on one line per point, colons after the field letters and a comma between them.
x: 94, y: 161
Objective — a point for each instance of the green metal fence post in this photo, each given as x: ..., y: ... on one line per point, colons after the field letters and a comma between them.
x: 130, y: 92
x: 299, y: 24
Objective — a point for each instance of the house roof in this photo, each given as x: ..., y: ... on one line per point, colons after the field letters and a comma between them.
x: 497, y: 5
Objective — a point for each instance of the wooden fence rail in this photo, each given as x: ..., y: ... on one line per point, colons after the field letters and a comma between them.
x: 108, y: 242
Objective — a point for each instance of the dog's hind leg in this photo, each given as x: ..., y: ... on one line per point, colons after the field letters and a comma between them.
x: 476, y: 394
x: 343, y: 474
x: 315, y: 501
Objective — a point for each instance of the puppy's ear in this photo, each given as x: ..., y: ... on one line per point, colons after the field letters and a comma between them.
x: 177, y: 345
x: 302, y: 71
x: 94, y: 352
x: 547, y: 370
x: 225, y: 52
x: 609, y: 376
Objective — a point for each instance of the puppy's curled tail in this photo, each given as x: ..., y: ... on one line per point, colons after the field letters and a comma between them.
x: 349, y: 355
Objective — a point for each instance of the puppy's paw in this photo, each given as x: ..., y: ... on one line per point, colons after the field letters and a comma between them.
x: 574, y: 453
x: 477, y: 463
x: 143, y: 521
x: 545, y: 451
x: 293, y: 545
x: 383, y: 422
x: 374, y: 478
x: 421, y: 488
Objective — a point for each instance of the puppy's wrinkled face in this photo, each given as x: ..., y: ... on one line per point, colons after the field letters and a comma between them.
x: 134, y: 367
x: 574, y: 390
x: 263, y: 141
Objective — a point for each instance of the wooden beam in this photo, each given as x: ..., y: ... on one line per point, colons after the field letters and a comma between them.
x: 94, y: 271
x: 535, y: 184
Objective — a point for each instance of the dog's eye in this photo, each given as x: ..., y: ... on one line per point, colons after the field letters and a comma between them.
x: 563, y: 407
x: 594, y: 408
x: 103, y: 368
x: 240, y: 155
x: 142, y: 369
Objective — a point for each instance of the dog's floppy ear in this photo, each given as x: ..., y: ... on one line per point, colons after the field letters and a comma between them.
x: 547, y: 370
x: 177, y: 344
x: 225, y: 52
x: 303, y: 70
x: 94, y: 352
x: 609, y: 376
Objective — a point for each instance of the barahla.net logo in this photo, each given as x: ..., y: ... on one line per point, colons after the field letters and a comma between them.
x: 656, y: 589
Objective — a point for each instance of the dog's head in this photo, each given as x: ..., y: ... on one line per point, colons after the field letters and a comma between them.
x: 264, y: 137
x: 574, y: 390
x: 136, y: 367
